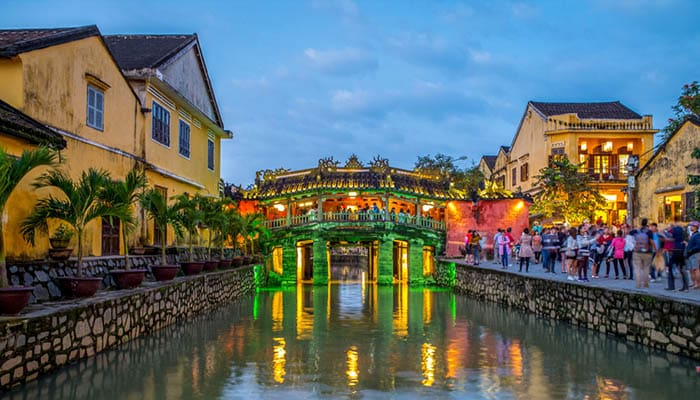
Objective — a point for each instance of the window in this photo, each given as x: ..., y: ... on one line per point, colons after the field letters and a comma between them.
x: 524, y: 173
x: 184, y: 141
x: 95, y: 107
x: 210, y: 154
x: 160, y: 129
x: 514, y: 176
x: 583, y: 163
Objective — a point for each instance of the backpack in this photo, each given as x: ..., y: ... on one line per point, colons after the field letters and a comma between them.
x: 641, y: 242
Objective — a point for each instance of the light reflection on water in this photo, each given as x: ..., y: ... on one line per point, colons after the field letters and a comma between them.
x: 364, y: 341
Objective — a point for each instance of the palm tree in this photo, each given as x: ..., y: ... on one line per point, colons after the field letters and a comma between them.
x: 212, y: 211
x: 226, y: 224
x: 79, y: 204
x: 190, y: 216
x: 253, y: 225
x: 126, y: 193
x: 12, y: 170
x: 162, y: 214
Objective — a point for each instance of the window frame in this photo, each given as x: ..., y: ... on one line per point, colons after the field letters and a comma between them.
x: 211, y: 154
x: 182, y: 123
x: 514, y: 176
x: 101, y: 93
x: 524, y: 172
x: 166, y: 112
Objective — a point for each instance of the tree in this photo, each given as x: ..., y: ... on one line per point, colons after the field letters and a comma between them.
x: 156, y: 206
x: 125, y: 194
x: 212, y: 217
x: 493, y: 190
x: 688, y: 104
x: 694, y: 179
x: 466, y: 180
x: 251, y: 226
x: 190, y: 216
x: 79, y: 204
x: 12, y: 171
x: 565, y: 193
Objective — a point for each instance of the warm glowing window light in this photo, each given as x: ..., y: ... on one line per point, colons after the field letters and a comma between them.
x: 607, y: 146
x: 279, y: 207
x: 584, y: 146
x: 630, y: 146
x: 427, y: 207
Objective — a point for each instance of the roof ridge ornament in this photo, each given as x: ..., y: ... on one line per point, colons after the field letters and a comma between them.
x: 379, y: 165
x: 354, y: 162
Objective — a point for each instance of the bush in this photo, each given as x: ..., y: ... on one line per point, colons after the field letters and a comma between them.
x: 274, y: 279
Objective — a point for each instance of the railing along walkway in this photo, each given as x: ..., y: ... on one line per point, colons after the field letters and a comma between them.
x: 346, y: 217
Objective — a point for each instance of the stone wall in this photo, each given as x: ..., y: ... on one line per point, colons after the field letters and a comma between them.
x: 658, y: 322
x: 40, y: 274
x: 50, y: 337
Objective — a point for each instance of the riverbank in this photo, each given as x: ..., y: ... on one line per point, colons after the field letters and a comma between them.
x: 664, y: 320
x: 53, y: 334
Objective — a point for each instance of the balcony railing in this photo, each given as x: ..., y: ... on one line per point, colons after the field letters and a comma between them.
x: 605, y: 174
x: 353, y: 218
x: 631, y: 125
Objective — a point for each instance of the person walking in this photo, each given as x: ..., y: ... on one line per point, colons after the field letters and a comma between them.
x: 570, y: 250
x: 563, y: 235
x: 475, y: 246
x: 525, y: 250
x: 676, y: 258
x: 629, y: 249
x: 550, y: 247
x: 642, y: 253
x: 511, y: 240
x: 537, y: 246
x: 584, y: 241
x: 504, y: 249
x: 496, y: 254
x: 618, y: 255
x: 692, y: 254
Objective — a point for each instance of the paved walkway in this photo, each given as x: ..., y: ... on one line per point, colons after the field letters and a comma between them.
x: 655, y: 288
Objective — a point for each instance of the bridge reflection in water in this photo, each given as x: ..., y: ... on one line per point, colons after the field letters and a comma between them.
x: 358, y: 340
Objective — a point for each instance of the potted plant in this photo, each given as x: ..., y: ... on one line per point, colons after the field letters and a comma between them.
x: 251, y: 226
x: 123, y: 195
x: 59, y: 241
x: 212, y: 212
x: 79, y: 204
x: 140, y: 249
x: 156, y: 207
x: 225, y: 226
x: 12, y: 171
x: 190, y: 217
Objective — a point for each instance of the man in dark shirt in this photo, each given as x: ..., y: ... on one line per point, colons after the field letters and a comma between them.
x: 676, y: 259
x: 550, y: 247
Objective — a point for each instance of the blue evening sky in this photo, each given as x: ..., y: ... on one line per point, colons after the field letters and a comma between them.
x: 300, y: 80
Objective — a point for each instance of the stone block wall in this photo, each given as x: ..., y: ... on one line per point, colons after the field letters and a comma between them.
x: 48, y: 338
x: 40, y: 274
x: 658, y: 322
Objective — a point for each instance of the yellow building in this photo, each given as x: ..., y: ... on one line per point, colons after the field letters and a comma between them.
x: 69, y: 81
x: 662, y: 190
x: 599, y: 136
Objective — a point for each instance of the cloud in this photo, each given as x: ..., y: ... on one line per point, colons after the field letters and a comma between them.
x: 479, y: 56
x: 429, y: 50
x: 254, y: 83
x: 349, y: 61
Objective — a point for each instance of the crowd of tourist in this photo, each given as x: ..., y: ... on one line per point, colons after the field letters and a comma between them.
x: 644, y: 253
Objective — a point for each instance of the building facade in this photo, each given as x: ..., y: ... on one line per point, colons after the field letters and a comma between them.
x: 68, y: 80
x: 600, y: 137
x: 663, y: 193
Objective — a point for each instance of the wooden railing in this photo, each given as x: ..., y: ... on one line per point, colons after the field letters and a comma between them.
x: 361, y: 217
x: 620, y: 125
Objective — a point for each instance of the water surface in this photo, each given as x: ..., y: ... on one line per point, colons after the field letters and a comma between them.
x: 364, y: 341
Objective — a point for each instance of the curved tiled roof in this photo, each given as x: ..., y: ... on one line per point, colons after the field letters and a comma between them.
x: 352, y: 180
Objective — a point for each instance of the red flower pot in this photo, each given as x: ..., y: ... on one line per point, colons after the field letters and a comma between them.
x: 128, y: 279
x: 192, y: 267
x: 73, y: 286
x: 210, y: 265
x: 164, y: 272
x: 14, y: 299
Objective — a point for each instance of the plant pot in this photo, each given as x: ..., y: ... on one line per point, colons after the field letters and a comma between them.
x: 164, y: 272
x: 60, y: 254
x: 14, y: 299
x: 224, y: 264
x: 59, y: 243
x: 210, y: 265
x: 73, y: 286
x: 192, y: 267
x: 128, y: 279
x: 247, y: 260
x: 137, y: 251
x: 237, y: 261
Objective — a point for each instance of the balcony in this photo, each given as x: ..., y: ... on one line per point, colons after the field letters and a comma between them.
x: 613, y: 175
x: 354, y: 219
x: 645, y: 124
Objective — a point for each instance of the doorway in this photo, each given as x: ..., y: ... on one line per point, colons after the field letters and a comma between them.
x: 400, y: 260
x: 110, y: 237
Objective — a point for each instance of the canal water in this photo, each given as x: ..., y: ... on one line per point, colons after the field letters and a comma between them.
x: 364, y: 341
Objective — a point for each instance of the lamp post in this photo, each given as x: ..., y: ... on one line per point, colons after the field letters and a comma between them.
x: 631, y: 167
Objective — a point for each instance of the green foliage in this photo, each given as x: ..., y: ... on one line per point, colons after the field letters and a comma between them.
x: 12, y: 171
x: 78, y: 204
x: 565, y: 193
x: 156, y: 206
x: 466, y: 181
x: 493, y: 190
x: 274, y: 279
x: 694, y: 180
x: 63, y: 232
x: 688, y: 104
x: 190, y: 216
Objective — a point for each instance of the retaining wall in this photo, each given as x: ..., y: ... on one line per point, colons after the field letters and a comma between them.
x: 55, y: 334
x: 658, y: 322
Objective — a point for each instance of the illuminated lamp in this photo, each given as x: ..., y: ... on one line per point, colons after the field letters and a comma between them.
x: 519, y: 205
x: 630, y: 146
x: 607, y: 146
x: 352, y: 194
x: 279, y: 207
x: 427, y: 207
x: 584, y: 146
